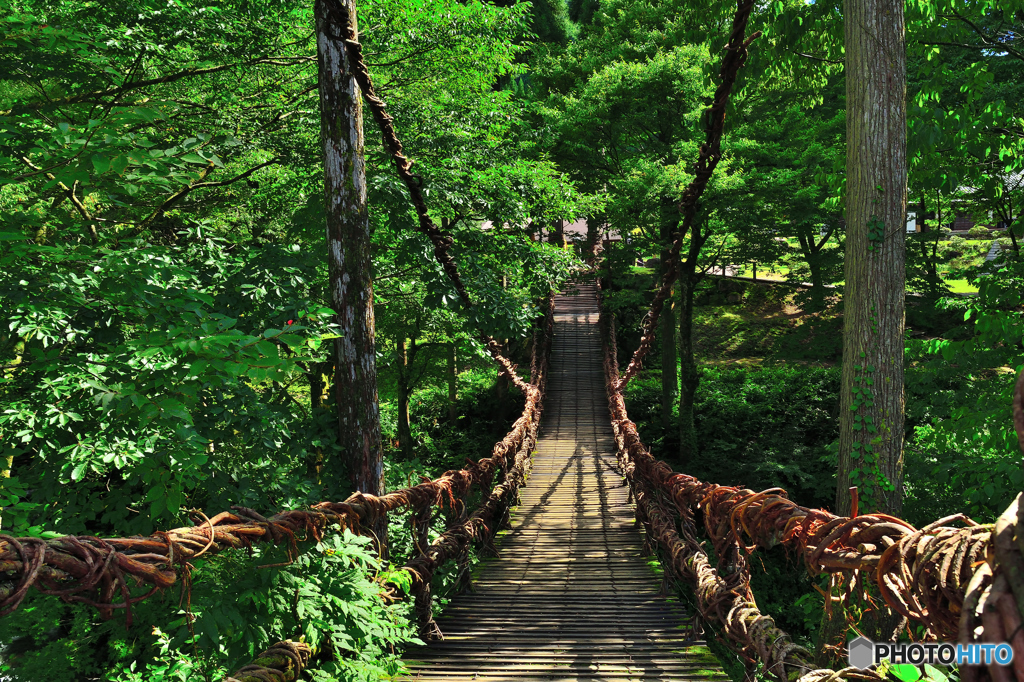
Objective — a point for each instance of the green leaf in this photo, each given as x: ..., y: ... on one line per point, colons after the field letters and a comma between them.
x: 905, y: 672
x: 119, y: 164
x: 101, y: 162
x: 198, y: 367
x: 79, y: 471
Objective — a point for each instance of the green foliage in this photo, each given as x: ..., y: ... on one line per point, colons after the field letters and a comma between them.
x: 331, y: 596
x: 131, y: 363
x: 163, y: 338
x: 964, y: 452
x: 442, y: 445
x: 164, y: 341
x: 763, y: 428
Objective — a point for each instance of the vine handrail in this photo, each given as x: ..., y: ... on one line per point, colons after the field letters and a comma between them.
x: 95, y: 571
x: 958, y: 581
x: 281, y: 662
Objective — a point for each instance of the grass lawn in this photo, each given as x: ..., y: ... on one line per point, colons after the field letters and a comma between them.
x: 961, y: 286
x: 763, y: 274
x: 957, y: 286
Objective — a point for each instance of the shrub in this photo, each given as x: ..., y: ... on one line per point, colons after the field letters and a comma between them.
x: 758, y: 428
x: 328, y: 594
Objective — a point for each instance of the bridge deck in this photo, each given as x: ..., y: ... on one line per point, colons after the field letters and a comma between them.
x: 571, y: 596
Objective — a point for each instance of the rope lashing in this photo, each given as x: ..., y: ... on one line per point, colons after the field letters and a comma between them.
x: 958, y: 580
x: 282, y: 662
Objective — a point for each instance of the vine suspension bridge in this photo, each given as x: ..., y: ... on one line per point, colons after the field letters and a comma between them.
x: 570, y: 594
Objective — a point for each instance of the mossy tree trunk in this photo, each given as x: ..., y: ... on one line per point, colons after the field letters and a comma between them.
x: 348, y: 256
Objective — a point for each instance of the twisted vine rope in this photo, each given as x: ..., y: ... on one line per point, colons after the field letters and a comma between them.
x: 723, y: 594
x: 707, y: 160
x: 282, y: 662
x: 95, y: 571
x: 995, y: 595
x: 441, y: 242
x: 481, y: 526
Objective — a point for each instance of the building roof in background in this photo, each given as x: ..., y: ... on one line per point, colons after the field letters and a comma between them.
x: 1013, y: 181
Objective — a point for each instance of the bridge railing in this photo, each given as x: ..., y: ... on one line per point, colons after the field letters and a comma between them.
x: 964, y: 582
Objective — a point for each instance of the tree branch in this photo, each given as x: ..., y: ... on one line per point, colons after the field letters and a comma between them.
x: 984, y: 37
x: 814, y: 57
x: 68, y: 191
x: 170, y: 78
x: 824, y: 239
x: 184, y: 191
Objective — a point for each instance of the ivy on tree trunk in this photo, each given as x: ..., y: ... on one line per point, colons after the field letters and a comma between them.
x: 872, y: 400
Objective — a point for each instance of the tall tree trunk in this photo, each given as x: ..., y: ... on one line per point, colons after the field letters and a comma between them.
x: 319, y: 383
x: 5, y: 472
x: 348, y: 258
x: 593, y: 238
x: 817, y: 281
x: 669, y: 377
x: 404, y: 390
x: 557, y: 235
x: 502, y: 384
x: 453, y: 382
x: 931, y: 263
x: 1011, y: 228
x: 689, y: 379
x: 872, y: 401
x: 316, y: 387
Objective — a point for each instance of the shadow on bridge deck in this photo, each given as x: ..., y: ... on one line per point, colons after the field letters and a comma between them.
x: 571, y: 596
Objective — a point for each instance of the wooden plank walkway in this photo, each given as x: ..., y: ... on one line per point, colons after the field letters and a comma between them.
x: 571, y: 597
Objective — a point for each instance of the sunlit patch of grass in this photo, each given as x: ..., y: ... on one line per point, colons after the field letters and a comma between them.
x: 730, y: 331
x: 961, y: 286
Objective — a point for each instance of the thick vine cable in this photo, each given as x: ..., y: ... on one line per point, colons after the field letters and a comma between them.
x: 441, y: 242
x: 282, y: 662
x: 707, y: 160
x: 965, y: 583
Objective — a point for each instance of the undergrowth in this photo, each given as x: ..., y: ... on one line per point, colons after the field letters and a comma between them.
x: 241, y: 602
